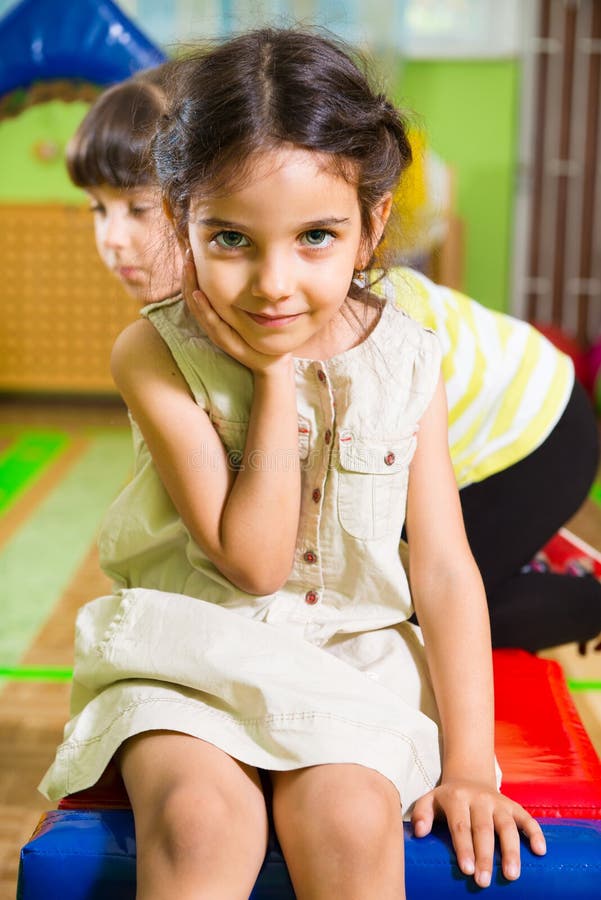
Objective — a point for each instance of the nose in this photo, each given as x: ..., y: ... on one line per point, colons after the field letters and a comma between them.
x: 274, y: 277
x: 115, y: 232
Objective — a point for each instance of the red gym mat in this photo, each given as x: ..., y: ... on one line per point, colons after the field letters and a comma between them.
x: 549, y: 763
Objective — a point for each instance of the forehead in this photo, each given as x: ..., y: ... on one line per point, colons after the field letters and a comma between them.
x: 109, y: 194
x: 290, y: 183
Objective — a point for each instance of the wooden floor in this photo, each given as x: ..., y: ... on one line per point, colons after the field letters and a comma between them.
x: 32, y: 715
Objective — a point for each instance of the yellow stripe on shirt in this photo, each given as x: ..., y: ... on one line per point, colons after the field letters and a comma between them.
x: 541, y: 424
x: 502, y: 405
x: 514, y: 394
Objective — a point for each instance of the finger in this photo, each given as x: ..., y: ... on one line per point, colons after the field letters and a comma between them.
x: 189, y: 279
x: 217, y: 328
x: 188, y: 257
x: 459, y: 822
x: 531, y: 829
x: 200, y: 307
x: 423, y: 815
x: 187, y: 283
x: 483, y: 837
x: 509, y: 840
x: 202, y: 303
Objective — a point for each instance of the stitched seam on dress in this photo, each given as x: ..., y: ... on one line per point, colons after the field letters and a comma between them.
x: 126, y: 605
x: 256, y: 722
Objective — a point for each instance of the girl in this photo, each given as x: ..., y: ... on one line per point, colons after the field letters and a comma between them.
x: 522, y: 381
x: 258, y: 636
x: 110, y: 157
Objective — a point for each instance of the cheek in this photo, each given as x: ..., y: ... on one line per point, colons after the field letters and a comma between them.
x: 220, y: 281
x: 334, y: 280
x: 99, y: 231
x: 146, y: 245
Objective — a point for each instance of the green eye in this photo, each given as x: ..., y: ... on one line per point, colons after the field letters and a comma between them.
x: 318, y: 237
x: 231, y: 240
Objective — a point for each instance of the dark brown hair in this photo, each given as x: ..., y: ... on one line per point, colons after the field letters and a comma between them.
x: 113, y: 144
x: 273, y: 86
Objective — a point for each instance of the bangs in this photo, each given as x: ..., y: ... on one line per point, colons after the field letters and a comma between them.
x: 113, y: 144
x: 121, y: 161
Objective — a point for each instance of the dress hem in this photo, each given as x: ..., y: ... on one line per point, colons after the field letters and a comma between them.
x: 407, y: 772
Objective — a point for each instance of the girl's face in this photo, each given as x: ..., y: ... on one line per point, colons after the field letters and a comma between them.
x: 276, y: 258
x: 135, y: 241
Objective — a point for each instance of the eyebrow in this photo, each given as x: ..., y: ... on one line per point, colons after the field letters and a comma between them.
x: 327, y: 222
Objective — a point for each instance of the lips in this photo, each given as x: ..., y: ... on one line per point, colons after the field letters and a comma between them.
x: 272, y: 321
x: 128, y: 273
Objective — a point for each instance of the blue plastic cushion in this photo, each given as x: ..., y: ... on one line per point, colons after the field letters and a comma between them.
x: 90, y: 855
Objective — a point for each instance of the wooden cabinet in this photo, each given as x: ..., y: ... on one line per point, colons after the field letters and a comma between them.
x: 60, y: 310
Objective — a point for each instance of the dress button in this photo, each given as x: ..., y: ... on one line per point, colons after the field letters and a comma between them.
x: 328, y: 436
x: 389, y: 459
x: 310, y: 557
x: 316, y: 495
x: 321, y: 375
x: 311, y: 597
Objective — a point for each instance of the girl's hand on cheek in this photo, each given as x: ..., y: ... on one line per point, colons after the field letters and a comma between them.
x: 474, y: 812
x: 220, y: 332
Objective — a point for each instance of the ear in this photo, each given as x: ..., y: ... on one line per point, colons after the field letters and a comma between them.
x: 182, y: 239
x: 379, y: 217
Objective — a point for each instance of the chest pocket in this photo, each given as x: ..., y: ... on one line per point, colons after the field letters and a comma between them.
x: 372, y: 484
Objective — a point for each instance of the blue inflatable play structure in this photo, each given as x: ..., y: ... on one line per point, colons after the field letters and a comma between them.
x: 87, y: 40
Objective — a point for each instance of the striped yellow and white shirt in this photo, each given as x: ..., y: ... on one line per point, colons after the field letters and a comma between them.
x: 507, y: 385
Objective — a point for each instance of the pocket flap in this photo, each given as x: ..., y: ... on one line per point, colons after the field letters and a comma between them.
x: 375, y: 456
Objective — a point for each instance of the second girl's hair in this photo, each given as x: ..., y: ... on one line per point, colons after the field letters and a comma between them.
x: 112, y: 145
x: 271, y: 87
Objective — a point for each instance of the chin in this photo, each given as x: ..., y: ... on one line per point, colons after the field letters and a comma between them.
x: 139, y: 294
x: 274, y: 348
x: 135, y: 293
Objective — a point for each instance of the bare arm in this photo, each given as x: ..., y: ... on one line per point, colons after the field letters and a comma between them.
x: 246, y: 522
x: 449, y: 600
x: 451, y: 606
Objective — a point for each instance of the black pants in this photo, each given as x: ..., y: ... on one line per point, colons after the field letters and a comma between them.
x: 511, y: 515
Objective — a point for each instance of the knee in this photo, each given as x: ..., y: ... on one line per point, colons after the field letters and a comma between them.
x: 185, y: 820
x: 364, y: 820
x: 358, y: 819
x: 192, y: 825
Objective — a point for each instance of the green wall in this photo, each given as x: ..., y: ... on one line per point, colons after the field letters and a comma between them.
x: 24, y: 177
x: 469, y: 109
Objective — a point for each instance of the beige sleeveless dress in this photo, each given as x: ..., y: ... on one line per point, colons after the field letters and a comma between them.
x: 325, y: 670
